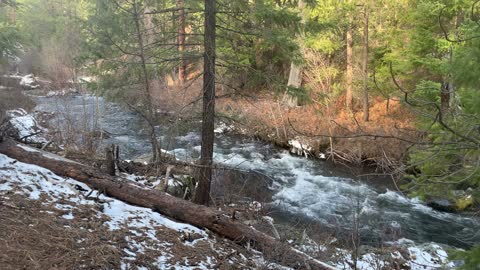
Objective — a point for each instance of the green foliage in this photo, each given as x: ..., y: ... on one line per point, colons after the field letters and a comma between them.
x: 427, y: 91
x: 470, y: 100
x: 9, y: 35
x: 464, y: 203
x: 127, y: 49
x: 471, y: 258
x: 255, y: 41
x: 467, y: 56
x: 299, y: 92
x: 451, y: 161
x: 46, y: 34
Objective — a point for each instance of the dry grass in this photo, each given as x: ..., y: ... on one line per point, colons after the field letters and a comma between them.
x: 264, y: 117
x: 33, y: 236
x: 316, y: 123
x: 11, y: 98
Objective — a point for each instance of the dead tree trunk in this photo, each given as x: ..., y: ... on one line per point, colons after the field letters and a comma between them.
x: 137, y: 17
x: 295, y: 76
x: 202, y: 193
x: 295, y: 81
x: 447, y: 91
x: 182, y: 69
x: 366, y: 109
x: 185, y: 211
x: 349, y: 73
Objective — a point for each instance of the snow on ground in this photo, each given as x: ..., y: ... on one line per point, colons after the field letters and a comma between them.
x: 61, y: 92
x: 428, y: 256
x: 36, y: 181
x: 147, y: 227
x: 300, y: 148
x: 148, y: 182
x: 26, y: 125
x: 29, y: 82
x: 86, y: 79
x: 223, y: 128
x: 176, y: 245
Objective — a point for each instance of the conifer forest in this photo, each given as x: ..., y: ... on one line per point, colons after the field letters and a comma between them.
x: 240, y: 134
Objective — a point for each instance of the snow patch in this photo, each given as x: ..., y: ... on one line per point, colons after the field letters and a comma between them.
x: 223, y: 128
x: 428, y: 257
x: 68, y: 216
x: 62, y: 92
x: 26, y: 126
x: 29, y: 82
x: 142, y: 223
x: 300, y: 148
x: 35, y: 181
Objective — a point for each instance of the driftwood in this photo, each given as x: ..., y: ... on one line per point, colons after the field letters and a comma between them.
x: 175, y: 208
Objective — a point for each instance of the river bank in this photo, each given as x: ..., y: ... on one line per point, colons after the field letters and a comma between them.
x: 297, y: 174
x: 315, y: 130
x: 303, y: 190
x: 138, y: 250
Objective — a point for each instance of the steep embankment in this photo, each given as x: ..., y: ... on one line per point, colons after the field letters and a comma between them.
x: 340, y: 134
x: 314, y: 129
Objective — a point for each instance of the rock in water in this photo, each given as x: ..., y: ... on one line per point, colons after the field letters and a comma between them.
x: 443, y: 205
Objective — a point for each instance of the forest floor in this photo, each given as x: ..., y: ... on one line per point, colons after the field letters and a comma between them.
x: 48, y: 222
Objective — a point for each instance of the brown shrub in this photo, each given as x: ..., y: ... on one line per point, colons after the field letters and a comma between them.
x: 263, y: 116
x: 12, y: 99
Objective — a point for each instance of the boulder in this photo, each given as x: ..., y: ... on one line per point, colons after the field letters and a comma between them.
x: 442, y: 204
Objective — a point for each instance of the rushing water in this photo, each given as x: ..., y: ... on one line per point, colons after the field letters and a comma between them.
x: 307, y: 188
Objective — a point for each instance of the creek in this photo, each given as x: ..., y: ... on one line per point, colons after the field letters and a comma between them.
x: 297, y: 187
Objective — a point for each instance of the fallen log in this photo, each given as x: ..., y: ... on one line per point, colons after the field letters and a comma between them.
x: 175, y: 208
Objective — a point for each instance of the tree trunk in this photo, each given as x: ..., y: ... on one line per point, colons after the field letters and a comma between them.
x: 182, y: 69
x: 294, y: 80
x: 147, y: 84
x: 349, y: 73
x: 445, y: 97
x: 448, y: 91
x: 178, y: 209
x: 296, y: 71
x: 366, y: 111
x: 202, y: 193
x: 110, y: 159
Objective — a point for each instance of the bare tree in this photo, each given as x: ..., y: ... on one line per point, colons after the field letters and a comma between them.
x: 365, y: 67
x: 182, y: 69
x: 349, y: 73
x: 296, y: 70
x: 202, y: 193
x: 147, y: 84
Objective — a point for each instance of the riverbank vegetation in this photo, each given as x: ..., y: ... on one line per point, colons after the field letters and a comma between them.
x: 393, y: 85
